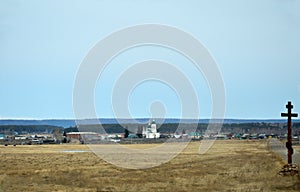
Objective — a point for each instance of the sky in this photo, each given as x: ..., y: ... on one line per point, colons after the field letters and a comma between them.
x: 254, y: 43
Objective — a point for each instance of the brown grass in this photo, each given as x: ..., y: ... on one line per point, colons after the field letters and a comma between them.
x: 228, y: 166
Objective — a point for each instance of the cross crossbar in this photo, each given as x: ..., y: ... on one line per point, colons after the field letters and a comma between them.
x: 286, y: 115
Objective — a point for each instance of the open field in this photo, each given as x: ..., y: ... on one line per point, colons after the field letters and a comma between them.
x: 228, y: 166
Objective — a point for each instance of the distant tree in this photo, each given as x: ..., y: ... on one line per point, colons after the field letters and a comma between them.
x: 64, y: 137
x: 140, y: 132
x: 126, y: 133
x: 57, y: 134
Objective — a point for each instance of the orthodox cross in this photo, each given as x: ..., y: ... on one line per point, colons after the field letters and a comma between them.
x: 289, y: 114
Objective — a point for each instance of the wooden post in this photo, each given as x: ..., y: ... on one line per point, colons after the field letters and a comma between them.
x: 289, y: 114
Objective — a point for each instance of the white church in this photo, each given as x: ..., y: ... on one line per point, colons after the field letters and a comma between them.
x: 151, y: 131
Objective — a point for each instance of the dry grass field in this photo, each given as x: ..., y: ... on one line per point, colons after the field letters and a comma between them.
x: 227, y: 166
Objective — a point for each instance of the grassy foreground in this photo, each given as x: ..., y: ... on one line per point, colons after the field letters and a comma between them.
x: 227, y: 166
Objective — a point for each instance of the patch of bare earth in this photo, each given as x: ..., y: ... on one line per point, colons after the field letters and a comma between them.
x: 228, y: 166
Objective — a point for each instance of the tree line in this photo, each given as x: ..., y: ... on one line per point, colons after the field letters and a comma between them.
x: 168, y: 128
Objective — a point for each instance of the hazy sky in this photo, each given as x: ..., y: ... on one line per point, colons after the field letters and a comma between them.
x: 254, y: 42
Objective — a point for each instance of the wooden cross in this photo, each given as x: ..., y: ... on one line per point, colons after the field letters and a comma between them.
x: 289, y: 114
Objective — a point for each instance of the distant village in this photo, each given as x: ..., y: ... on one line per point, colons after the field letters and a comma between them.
x: 142, y: 133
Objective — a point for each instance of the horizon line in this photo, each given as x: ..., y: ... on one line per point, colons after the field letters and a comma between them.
x: 240, y: 118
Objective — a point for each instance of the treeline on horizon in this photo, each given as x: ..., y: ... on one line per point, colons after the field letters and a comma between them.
x: 9, y: 129
x: 167, y: 128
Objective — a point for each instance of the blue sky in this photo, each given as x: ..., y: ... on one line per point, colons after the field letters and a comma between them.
x: 254, y: 42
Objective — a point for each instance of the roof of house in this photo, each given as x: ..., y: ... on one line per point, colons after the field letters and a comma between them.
x: 82, y: 133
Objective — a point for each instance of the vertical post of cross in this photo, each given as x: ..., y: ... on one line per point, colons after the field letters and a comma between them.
x: 289, y: 114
